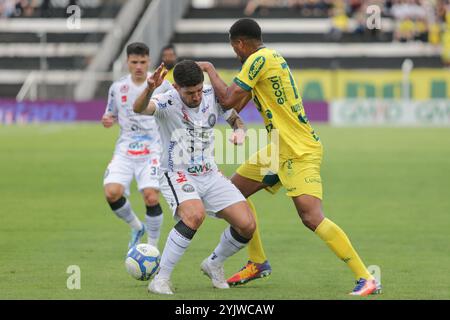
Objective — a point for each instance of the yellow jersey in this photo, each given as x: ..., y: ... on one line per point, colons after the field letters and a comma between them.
x: 266, y: 74
x: 169, y: 75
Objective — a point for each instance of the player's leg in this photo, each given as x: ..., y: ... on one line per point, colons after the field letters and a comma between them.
x: 310, y: 211
x: 147, y: 177
x: 116, y: 182
x: 153, y: 215
x: 301, y: 177
x: 222, y: 199
x: 181, y: 195
x: 257, y: 266
x: 249, y: 178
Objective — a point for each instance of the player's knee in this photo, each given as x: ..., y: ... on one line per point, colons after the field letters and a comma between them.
x: 249, y: 228
x: 194, y: 220
x: 113, y: 194
x: 151, y: 199
x: 192, y: 212
x: 312, y: 219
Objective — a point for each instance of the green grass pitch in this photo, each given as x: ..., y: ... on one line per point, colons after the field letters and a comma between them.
x: 388, y: 188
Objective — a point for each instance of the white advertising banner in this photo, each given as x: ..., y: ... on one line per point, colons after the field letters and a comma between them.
x: 374, y: 112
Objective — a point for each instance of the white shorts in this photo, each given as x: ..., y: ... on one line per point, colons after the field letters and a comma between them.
x: 213, y: 189
x: 121, y: 170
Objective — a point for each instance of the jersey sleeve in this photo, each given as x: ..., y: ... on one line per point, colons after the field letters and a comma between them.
x: 111, y: 106
x: 223, y: 113
x: 251, y: 72
x: 164, y: 87
x: 164, y: 103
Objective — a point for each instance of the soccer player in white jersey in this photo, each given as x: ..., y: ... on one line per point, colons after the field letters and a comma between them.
x: 137, y: 149
x: 192, y: 184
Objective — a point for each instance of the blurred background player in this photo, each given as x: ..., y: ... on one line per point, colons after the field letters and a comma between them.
x: 169, y: 58
x: 137, y: 149
x: 192, y: 184
x: 266, y: 75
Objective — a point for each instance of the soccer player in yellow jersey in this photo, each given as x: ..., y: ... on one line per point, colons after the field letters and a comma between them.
x: 169, y: 58
x: 266, y: 77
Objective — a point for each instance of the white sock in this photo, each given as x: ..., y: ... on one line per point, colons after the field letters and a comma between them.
x: 153, y: 225
x: 230, y: 243
x: 178, y: 241
x: 153, y: 221
x: 125, y: 213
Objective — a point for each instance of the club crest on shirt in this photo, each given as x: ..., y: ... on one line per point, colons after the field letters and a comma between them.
x: 124, y: 88
x: 188, y: 188
x: 212, y: 120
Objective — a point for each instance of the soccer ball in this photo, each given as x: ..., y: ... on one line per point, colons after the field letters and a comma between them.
x: 142, y: 261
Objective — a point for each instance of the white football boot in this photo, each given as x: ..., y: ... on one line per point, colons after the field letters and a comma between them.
x: 215, y: 273
x: 160, y: 286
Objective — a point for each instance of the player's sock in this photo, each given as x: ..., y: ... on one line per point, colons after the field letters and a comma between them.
x: 255, y: 249
x: 177, y: 242
x: 153, y: 221
x: 338, y: 241
x: 122, y: 209
x: 230, y: 243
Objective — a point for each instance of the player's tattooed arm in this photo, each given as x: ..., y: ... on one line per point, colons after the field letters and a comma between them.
x: 143, y: 104
x: 231, y: 96
x: 239, y: 129
x: 235, y: 121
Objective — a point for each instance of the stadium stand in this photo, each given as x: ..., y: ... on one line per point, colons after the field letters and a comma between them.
x: 40, y: 58
x: 320, y: 34
x: 37, y: 44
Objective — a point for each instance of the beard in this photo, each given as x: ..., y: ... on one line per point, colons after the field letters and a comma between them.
x: 169, y: 65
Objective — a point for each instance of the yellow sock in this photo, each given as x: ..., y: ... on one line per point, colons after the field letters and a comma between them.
x: 255, y: 248
x: 338, y: 241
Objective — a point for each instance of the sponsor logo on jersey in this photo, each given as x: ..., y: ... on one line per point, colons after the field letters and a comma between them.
x: 212, y: 120
x: 313, y: 180
x: 181, y: 177
x: 171, y: 148
x: 124, y: 88
x: 256, y: 66
x: 188, y: 188
x: 138, y: 149
x: 278, y: 89
x: 201, y: 168
x: 124, y: 99
x: 162, y: 105
x: 207, y: 91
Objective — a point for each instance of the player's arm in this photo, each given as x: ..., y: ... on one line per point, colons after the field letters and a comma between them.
x: 231, y: 96
x: 111, y: 112
x: 239, y: 129
x: 143, y: 105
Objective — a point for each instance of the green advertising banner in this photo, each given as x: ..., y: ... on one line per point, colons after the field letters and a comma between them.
x: 328, y: 85
x: 376, y: 112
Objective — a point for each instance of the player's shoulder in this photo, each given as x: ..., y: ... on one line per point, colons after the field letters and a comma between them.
x: 262, y: 56
x: 121, y: 83
x: 167, y: 99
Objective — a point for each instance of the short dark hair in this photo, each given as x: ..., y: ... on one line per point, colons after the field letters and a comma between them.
x: 138, y: 48
x: 187, y: 73
x: 169, y: 47
x: 245, y: 28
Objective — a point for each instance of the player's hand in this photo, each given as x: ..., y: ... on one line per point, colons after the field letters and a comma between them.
x: 205, y: 65
x: 155, y: 80
x: 238, y: 137
x: 108, y: 120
